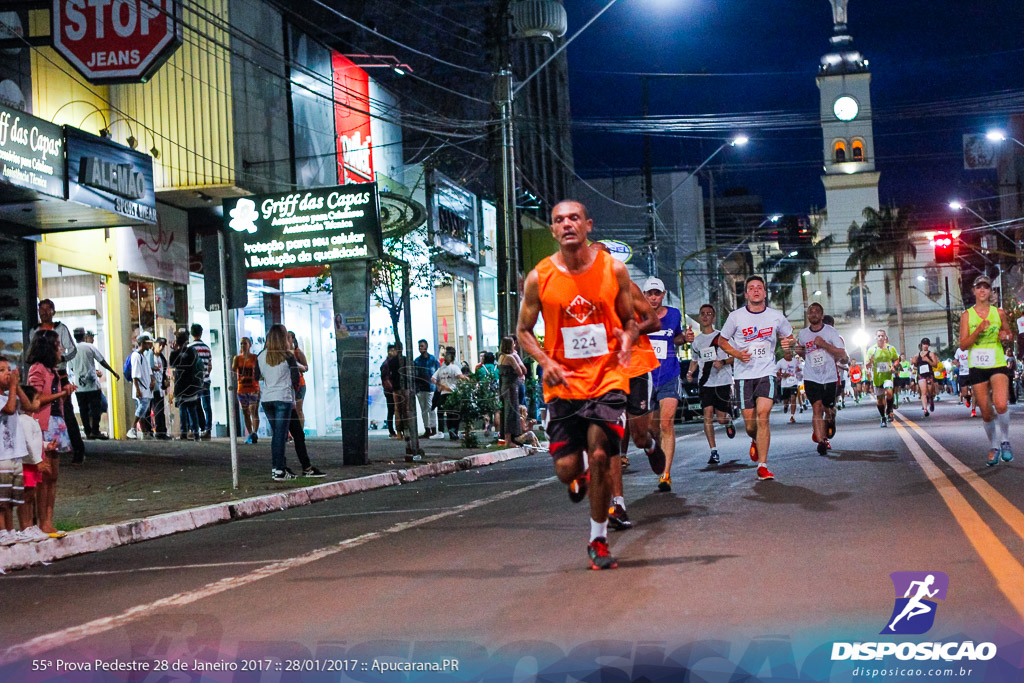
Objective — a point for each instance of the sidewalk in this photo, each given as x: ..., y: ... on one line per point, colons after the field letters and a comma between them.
x: 113, y: 496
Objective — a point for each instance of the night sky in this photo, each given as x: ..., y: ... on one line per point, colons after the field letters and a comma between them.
x: 944, y: 54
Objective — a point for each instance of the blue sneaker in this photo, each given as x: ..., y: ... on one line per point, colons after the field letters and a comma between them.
x: 993, y: 457
x: 1006, y: 450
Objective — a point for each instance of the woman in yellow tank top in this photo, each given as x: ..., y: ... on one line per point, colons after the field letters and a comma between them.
x: 983, y: 329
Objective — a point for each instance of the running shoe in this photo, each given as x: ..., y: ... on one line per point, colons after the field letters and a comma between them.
x: 1006, y: 451
x: 600, y: 558
x: 763, y: 473
x: 730, y: 430
x: 926, y: 413
x: 624, y: 460
x: 656, y: 456
x: 891, y: 417
x: 665, y: 483
x: 822, y: 448
x: 828, y: 445
x: 714, y: 459
x: 753, y: 450
x: 830, y: 426
x: 618, y: 520
x: 993, y: 457
x: 974, y: 412
x: 578, y: 487
x: 931, y: 404
x: 884, y: 424
x: 792, y: 420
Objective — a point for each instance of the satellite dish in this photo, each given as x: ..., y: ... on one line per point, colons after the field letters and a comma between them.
x: 400, y: 215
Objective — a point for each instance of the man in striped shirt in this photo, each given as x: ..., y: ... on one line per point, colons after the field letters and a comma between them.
x: 206, y: 356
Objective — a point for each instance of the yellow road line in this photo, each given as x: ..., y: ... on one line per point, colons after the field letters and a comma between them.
x: 1008, y: 572
x: 1004, y: 508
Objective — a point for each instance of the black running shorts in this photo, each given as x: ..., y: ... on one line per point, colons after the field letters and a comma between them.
x: 826, y: 393
x: 639, y: 401
x: 789, y: 392
x: 569, y: 420
x: 719, y: 398
x: 749, y: 390
x: 979, y: 375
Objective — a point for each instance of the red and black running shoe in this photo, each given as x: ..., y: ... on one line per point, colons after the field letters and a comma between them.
x: 600, y: 558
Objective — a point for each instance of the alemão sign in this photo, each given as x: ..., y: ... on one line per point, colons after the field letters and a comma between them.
x: 307, y: 228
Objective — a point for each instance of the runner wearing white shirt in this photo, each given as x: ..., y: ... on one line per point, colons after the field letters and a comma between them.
x: 713, y: 368
x: 788, y: 371
x: 753, y: 331
x: 823, y: 349
x: 961, y: 357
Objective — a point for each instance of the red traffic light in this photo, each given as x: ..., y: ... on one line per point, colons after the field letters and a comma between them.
x: 945, y: 245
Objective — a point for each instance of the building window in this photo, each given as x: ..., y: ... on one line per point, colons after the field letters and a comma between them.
x: 858, y: 150
x: 839, y: 151
x: 932, y: 273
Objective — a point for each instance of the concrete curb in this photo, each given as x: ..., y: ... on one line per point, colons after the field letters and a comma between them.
x: 103, y: 537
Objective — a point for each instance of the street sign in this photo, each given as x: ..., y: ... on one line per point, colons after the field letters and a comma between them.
x: 116, y: 41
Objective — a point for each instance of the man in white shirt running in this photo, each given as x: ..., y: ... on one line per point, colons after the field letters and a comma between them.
x: 713, y: 369
x: 753, y: 330
x: 963, y: 370
x: 788, y: 371
x: 822, y: 349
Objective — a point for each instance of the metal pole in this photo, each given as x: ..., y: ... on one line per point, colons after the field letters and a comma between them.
x: 229, y: 390
x: 860, y: 276
x: 712, y: 239
x: 652, y: 261
x: 509, y: 229
x: 949, y: 315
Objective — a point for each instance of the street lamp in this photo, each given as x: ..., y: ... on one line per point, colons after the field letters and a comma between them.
x: 1000, y: 136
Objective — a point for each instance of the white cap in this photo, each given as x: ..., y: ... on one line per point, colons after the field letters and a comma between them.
x: 653, y: 284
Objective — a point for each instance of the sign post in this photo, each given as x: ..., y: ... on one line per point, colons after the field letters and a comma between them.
x: 296, y: 234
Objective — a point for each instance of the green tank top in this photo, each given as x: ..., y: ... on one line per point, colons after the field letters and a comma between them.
x: 987, y: 351
x: 883, y: 361
x: 904, y: 371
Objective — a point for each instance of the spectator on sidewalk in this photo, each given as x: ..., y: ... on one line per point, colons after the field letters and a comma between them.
x: 12, y: 451
x: 160, y: 383
x: 204, y: 410
x: 82, y: 371
x: 44, y: 354
x: 187, y: 368
x: 397, y: 368
x: 33, y: 438
x: 488, y: 372
x: 426, y: 365
x: 446, y: 377
x: 510, y: 375
x: 389, y: 392
x: 277, y: 368
x: 142, y: 387
x: 248, y: 389
x: 69, y: 349
x: 300, y: 359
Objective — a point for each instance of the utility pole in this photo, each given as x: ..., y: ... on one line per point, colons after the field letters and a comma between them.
x: 503, y: 160
x: 712, y: 240
x: 949, y: 315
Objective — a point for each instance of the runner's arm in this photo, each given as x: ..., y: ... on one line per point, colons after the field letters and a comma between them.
x: 742, y: 356
x: 1004, y: 327
x: 649, y: 321
x: 554, y: 374
x: 966, y: 338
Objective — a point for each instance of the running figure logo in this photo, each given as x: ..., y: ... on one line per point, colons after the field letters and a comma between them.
x: 914, y: 612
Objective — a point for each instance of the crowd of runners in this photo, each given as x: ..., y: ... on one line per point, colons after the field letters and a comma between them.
x: 611, y: 371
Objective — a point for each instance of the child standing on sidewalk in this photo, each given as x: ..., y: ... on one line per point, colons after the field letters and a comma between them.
x: 12, y: 450
x: 33, y: 436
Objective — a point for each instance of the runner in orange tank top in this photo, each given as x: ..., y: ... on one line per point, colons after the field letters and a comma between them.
x: 638, y: 405
x: 589, y: 332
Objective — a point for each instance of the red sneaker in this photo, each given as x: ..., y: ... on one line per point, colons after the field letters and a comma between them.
x: 600, y: 558
x: 828, y: 445
x: 753, y: 450
x: 763, y: 473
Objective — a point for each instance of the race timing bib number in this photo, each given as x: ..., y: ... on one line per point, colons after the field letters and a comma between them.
x: 818, y: 359
x: 660, y: 348
x: 983, y: 358
x: 881, y: 367
x: 707, y: 355
x: 924, y: 369
x: 758, y: 351
x: 585, y: 341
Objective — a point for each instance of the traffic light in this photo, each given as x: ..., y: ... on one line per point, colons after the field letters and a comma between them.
x: 945, y: 247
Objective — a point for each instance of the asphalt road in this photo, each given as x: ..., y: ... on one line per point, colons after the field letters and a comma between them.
x: 726, y: 577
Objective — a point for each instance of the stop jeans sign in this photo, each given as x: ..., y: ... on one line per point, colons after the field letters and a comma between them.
x: 116, y: 41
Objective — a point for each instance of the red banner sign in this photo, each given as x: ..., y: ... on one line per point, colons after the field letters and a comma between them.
x: 352, y: 121
x: 116, y: 41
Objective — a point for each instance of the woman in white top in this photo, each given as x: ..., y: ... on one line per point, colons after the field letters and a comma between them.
x: 277, y: 369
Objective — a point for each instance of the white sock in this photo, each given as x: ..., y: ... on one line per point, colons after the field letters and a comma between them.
x: 598, y: 530
x: 619, y: 500
x: 990, y: 432
x: 1003, y: 426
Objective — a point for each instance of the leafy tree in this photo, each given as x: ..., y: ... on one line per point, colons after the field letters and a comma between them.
x: 473, y: 398
x: 886, y: 236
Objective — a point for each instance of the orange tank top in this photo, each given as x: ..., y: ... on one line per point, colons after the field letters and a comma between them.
x: 246, y: 368
x: 579, y: 324
x: 643, y: 359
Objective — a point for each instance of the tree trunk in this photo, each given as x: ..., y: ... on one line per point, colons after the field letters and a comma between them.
x: 860, y: 288
x: 395, y: 312
x: 897, y: 283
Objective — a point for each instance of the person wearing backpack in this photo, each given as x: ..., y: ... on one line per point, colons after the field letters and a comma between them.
x: 187, y: 369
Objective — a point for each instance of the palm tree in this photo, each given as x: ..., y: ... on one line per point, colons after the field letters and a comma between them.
x: 886, y: 235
